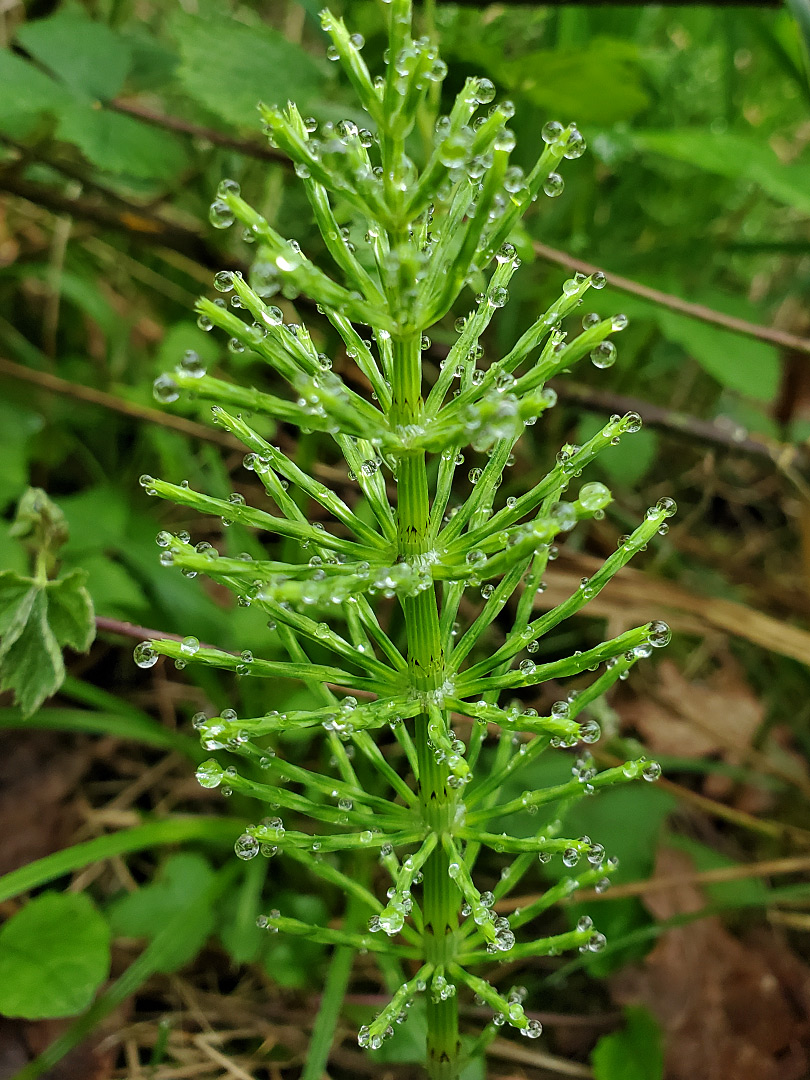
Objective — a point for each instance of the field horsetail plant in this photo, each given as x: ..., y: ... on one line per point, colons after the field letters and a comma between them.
x: 408, y: 678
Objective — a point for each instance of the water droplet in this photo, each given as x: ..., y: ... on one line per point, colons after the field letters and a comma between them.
x: 575, y: 144
x: 594, y: 496
x: 484, y: 91
x: 191, y: 363
x: 220, y: 214
x: 189, y: 646
x: 658, y: 634
x: 165, y: 389
x: 651, y: 771
x: 554, y: 185
x: 551, y: 131
x: 209, y: 774
x: 145, y: 655
x: 603, y: 355
x: 246, y: 847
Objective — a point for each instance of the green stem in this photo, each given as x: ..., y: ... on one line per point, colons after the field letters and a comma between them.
x: 334, y: 991
x: 427, y: 667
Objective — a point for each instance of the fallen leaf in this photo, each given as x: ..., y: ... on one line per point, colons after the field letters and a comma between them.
x: 729, y: 1009
x: 720, y: 715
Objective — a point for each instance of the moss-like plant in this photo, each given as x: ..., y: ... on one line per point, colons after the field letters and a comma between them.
x: 412, y: 792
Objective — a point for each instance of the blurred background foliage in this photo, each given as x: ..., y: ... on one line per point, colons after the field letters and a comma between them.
x: 117, y: 120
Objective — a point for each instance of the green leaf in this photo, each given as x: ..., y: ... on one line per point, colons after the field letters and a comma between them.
x: 17, y: 425
x: 31, y: 662
x: 16, y: 597
x: 121, y: 144
x: 632, y: 1054
x: 745, y: 890
x: 54, y: 955
x: 745, y: 158
x: 114, y: 591
x: 740, y: 363
x: 628, y: 462
x: 87, y: 56
x: 229, y: 67
x: 153, y: 63
x: 70, y: 611
x: 598, y: 83
x: 37, y: 618
x: 25, y: 94
x: 145, y: 912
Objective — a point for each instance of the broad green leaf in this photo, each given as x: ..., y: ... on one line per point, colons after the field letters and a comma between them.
x: 296, y: 962
x: 31, y: 662
x: 229, y: 67
x: 54, y: 955
x: 628, y: 820
x: 751, y: 890
x: 17, y: 425
x: 599, y: 83
x: 87, y: 56
x: 114, y: 590
x: 738, y: 362
x: 16, y: 599
x: 634, y: 1053
x: 121, y: 144
x: 239, y: 908
x: 98, y: 518
x: 36, y: 620
x: 153, y: 62
x: 745, y: 158
x: 70, y: 611
x: 25, y: 94
x: 628, y: 462
x: 181, y: 337
x: 145, y: 912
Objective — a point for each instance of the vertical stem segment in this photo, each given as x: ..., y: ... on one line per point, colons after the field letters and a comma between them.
x: 426, y: 660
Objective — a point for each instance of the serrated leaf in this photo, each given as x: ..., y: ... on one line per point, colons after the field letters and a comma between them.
x: 121, y: 144
x: 145, y: 912
x: 36, y: 620
x: 229, y: 67
x: 54, y: 955
x: 70, y: 611
x: 87, y: 56
x: 31, y: 663
x: 16, y: 597
x: 632, y: 1054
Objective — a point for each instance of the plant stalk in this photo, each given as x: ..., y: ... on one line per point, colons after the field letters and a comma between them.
x: 426, y: 661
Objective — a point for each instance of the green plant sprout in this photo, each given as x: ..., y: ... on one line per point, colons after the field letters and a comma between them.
x: 408, y: 789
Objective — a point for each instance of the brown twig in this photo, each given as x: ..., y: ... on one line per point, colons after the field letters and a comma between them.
x: 780, y: 338
x: 712, y: 432
x: 131, y: 220
x: 56, y: 385
x: 249, y: 147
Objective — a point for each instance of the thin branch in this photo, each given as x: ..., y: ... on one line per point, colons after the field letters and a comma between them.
x: 781, y: 338
x: 132, y: 220
x: 56, y: 385
x: 249, y: 147
x: 730, y: 437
